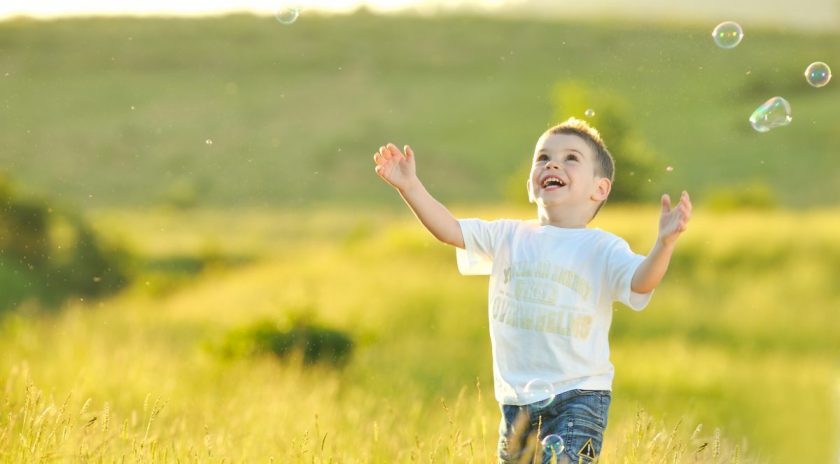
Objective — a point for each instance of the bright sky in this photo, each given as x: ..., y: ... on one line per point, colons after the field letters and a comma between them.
x: 56, y: 8
x: 809, y: 15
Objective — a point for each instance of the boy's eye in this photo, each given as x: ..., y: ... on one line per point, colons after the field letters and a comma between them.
x: 571, y: 157
x: 542, y: 158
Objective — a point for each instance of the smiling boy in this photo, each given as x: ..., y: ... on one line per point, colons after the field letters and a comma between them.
x: 552, y: 285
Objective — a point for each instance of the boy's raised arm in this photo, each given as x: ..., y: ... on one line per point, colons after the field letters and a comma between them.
x: 672, y: 222
x: 399, y: 171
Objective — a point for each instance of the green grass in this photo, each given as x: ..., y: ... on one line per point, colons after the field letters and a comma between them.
x: 116, y: 112
x: 741, y: 338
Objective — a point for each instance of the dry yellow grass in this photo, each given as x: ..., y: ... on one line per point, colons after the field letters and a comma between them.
x: 419, y: 386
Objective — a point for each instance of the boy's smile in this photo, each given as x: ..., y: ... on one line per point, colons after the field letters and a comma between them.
x: 552, y: 182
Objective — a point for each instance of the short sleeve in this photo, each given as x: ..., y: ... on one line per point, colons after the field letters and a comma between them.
x: 481, y: 242
x: 622, y: 264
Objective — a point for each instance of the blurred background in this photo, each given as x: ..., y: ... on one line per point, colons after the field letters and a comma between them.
x: 197, y: 261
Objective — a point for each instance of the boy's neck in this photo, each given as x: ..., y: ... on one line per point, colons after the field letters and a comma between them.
x: 563, y: 217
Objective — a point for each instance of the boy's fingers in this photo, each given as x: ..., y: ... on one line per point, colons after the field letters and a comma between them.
x: 666, y: 203
x: 394, y: 150
x: 409, y: 153
x: 386, y: 152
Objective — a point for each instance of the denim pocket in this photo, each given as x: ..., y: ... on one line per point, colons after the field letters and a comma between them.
x: 584, y: 421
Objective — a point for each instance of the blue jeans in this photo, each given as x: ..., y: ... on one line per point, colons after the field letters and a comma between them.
x: 577, y: 416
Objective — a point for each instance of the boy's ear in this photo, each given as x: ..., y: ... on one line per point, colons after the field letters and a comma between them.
x: 531, y: 198
x: 602, y: 189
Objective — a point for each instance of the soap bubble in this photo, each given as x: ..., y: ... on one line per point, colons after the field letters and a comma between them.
x: 287, y: 15
x: 553, y: 446
x: 775, y: 112
x: 209, y: 141
x: 669, y: 169
x: 589, y: 113
x: 728, y: 34
x: 539, y: 393
x: 818, y: 74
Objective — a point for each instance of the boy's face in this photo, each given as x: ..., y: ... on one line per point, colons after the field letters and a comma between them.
x: 563, y: 173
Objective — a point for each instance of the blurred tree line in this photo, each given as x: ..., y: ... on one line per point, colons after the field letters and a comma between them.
x: 49, y: 256
x: 611, y: 115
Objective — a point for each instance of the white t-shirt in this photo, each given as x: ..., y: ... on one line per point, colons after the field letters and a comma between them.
x: 549, y: 303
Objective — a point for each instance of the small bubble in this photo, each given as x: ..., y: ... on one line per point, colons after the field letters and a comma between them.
x: 209, y: 141
x: 97, y: 279
x: 818, y: 74
x: 669, y: 169
x: 775, y: 112
x: 589, y: 113
x: 728, y: 34
x: 132, y: 107
x: 287, y: 15
x: 553, y: 446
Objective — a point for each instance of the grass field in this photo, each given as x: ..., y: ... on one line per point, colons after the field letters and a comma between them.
x: 740, y: 338
x: 232, y: 157
x: 119, y: 112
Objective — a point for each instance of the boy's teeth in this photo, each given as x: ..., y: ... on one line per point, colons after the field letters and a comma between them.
x: 553, y: 181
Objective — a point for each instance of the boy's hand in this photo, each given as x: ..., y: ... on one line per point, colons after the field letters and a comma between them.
x: 674, y: 221
x: 394, y: 167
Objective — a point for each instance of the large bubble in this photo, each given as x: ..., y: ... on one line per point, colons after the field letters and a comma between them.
x: 539, y: 393
x: 728, y: 34
x: 818, y: 74
x: 775, y: 112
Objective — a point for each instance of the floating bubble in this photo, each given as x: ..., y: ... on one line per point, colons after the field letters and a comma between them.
x: 728, y: 34
x: 553, y: 446
x: 539, y: 393
x: 589, y: 113
x: 209, y: 141
x: 818, y: 74
x: 775, y: 112
x: 287, y: 15
x: 669, y: 169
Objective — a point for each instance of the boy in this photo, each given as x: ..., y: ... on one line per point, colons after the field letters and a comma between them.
x: 552, y: 284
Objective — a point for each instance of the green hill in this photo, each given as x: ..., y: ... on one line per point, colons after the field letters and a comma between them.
x: 241, y: 110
